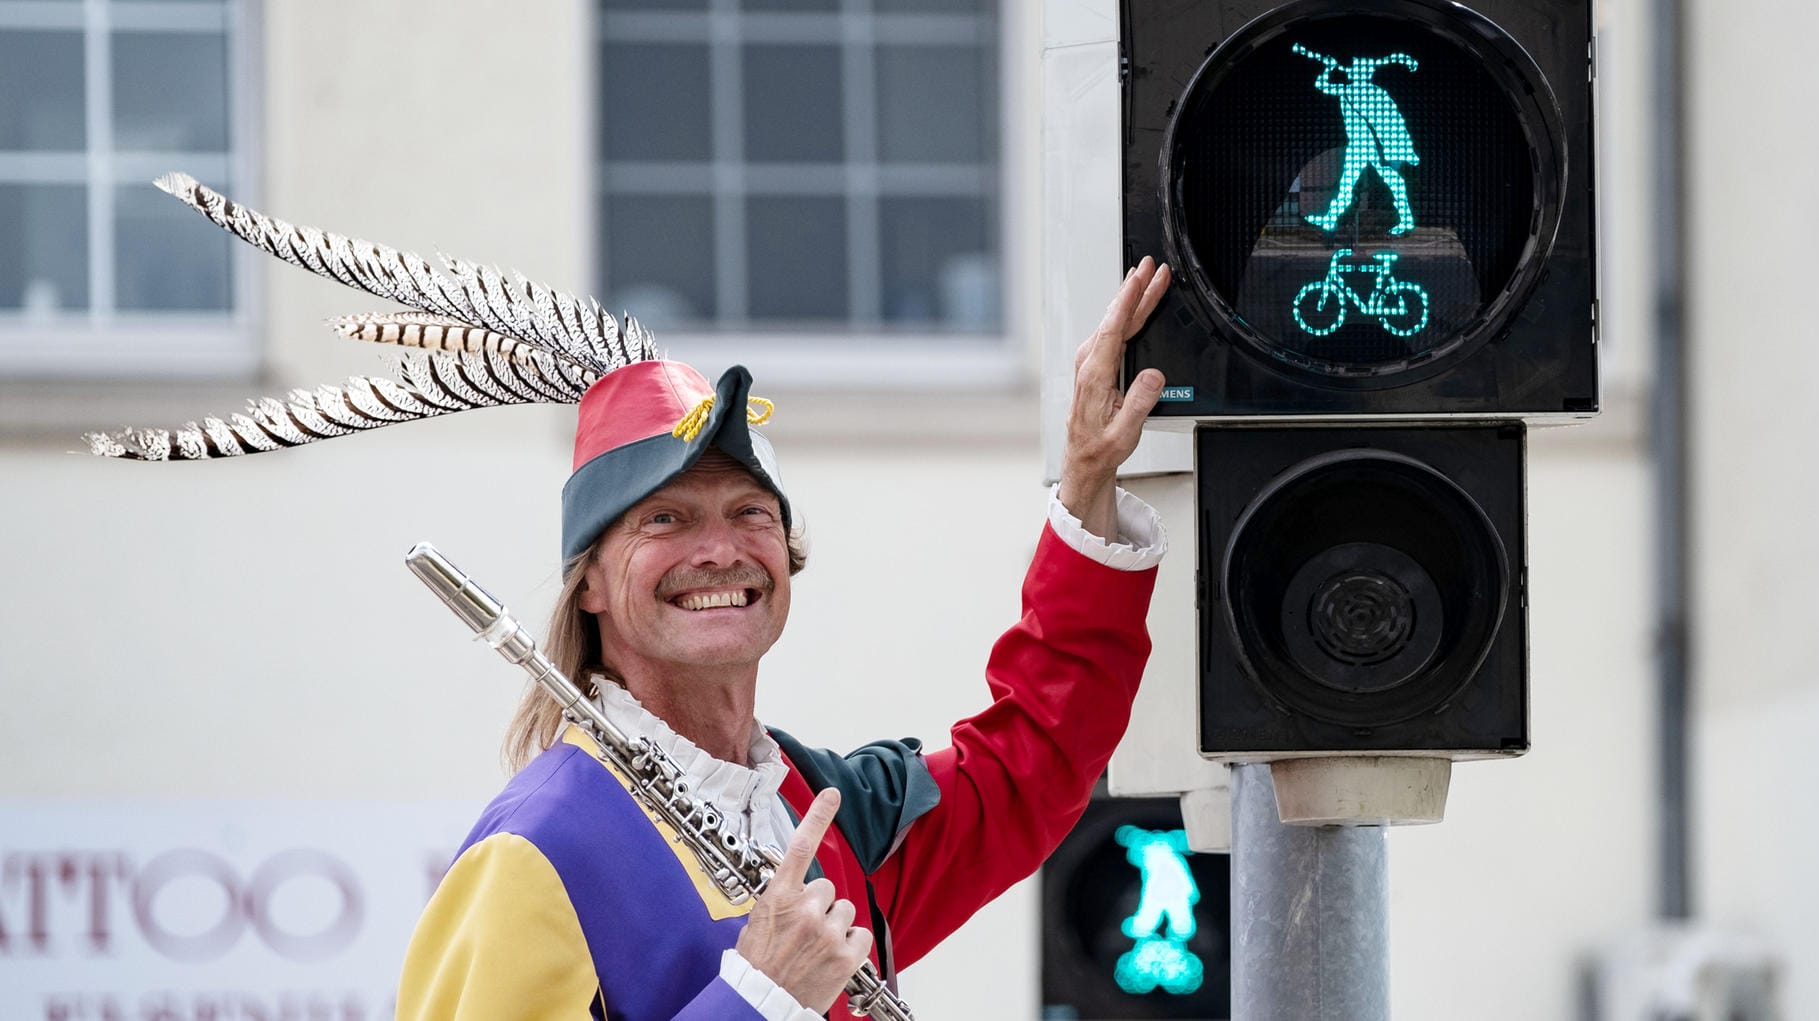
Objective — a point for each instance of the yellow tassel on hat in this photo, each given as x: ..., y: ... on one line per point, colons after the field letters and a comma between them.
x: 757, y: 412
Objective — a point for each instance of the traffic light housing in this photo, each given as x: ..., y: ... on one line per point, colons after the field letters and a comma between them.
x: 1363, y: 590
x: 1380, y: 210
x: 1381, y: 222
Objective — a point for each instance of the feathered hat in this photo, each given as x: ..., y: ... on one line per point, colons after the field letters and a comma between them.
x: 476, y: 339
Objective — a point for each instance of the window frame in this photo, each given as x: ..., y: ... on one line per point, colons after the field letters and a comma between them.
x: 846, y: 356
x: 102, y: 342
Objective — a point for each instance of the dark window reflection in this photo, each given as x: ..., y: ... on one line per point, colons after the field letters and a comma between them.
x: 166, y: 257
x: 170, y: 91
x: 939, y: 262
x: 660, y: 257
x: 797, y: 256
x: 41, y: 99
x: 43, y: 248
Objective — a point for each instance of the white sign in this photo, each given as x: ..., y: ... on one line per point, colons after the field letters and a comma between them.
x: 214, y: 911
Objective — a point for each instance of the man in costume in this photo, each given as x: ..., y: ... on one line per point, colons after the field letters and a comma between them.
x: 569, y: 897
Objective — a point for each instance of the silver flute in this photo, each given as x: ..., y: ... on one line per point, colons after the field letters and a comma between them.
x: 739, y: 868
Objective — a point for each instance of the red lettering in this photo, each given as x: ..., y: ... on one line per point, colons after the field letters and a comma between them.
x: 37, y: 911
x: 28, y: 879
x: 299, y: 863
x: 103, y: 869
x: 212, y: 942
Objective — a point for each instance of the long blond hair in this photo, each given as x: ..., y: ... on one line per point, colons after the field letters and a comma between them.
x: 573, y: 645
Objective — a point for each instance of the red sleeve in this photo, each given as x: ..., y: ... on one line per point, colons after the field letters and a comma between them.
x: 1019, y: 774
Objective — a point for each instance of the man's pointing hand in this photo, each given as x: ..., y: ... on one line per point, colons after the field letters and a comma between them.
x: 800, y: 934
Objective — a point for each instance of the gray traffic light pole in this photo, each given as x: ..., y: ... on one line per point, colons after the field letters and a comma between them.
x: 1310, y: 913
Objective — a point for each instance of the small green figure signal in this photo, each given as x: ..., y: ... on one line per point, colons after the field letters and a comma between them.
x: 1164, y: 919
x: 1376, y: 137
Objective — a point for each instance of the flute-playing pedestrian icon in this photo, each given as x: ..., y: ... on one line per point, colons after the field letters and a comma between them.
x: 1376, y: 137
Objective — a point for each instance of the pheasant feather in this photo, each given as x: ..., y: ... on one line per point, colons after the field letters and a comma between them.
x: 434, y: 383
x: 473, y: 338
x: 477, y: 296
x: 441, y: 333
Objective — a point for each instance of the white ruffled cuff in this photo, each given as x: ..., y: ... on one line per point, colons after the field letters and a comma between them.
x: 757, y: 989
x: 1141, y: 544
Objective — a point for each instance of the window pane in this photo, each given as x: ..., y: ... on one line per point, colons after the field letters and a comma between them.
x: 170, y: 91
x: 654, y: 101
x: 792, y: 104
x: 167, y: 257
x: 660, y: 258
x: 43, y: 247
x: 796, y: 253
x: 940, y: 266
x: 936, y: 104
x: 41, y: 86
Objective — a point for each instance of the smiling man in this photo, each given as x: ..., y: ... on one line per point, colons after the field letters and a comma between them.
x: 568, y: 897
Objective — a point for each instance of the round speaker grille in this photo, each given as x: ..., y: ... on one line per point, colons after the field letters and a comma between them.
x: 1363, y: 588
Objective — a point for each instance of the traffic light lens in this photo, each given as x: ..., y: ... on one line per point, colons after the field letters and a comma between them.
x: 1363, y: 588
x: 1358, y: 195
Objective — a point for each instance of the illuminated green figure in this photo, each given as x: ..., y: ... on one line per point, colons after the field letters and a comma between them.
x: 1375, y: 136
x: 1164, y: 920
x: 1400, y: 306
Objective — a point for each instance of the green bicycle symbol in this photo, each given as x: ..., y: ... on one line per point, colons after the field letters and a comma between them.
x: 1399, y: 305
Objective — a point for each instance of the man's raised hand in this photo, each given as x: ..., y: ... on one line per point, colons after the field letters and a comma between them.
x: 1104, y: 423
x: 800, y: 934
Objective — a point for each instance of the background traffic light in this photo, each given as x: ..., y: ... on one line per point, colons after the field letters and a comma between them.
x: 1133, y: 925
x: 1372, y: 210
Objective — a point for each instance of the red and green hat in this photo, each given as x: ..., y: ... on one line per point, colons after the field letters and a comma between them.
x: 643, y: 425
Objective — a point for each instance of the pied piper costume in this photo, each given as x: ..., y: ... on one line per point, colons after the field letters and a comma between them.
x: 569, y: 896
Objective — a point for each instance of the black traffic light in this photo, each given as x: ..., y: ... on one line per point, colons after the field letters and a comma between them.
x: 1133, y: 925
x: 1381, y: 220
x: 1378, y: 209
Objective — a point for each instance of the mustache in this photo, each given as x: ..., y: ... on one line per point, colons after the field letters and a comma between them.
x: 684, y: 579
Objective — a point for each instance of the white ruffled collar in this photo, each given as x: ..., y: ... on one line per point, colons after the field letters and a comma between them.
x: 738, y: 791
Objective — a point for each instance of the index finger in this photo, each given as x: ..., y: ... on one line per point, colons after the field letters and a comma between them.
x: 807, y: 838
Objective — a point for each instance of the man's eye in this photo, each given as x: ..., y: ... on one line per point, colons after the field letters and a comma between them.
x: 756, y: 509
x: 663, y: 518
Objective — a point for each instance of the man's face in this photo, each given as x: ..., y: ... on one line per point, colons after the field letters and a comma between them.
x: 695, y: 575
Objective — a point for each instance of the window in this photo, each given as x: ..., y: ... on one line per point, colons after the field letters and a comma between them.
x: 823, y: 171
x: 101, y: 274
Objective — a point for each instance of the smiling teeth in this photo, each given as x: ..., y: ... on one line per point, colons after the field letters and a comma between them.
x: 709, y: 600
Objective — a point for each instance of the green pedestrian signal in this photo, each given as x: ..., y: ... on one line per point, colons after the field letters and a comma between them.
x: 1134, y: 925
x: 1376, y: 136
x: 1164, y: 920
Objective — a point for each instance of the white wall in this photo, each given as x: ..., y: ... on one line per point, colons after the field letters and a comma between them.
x: 1753, y: 143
